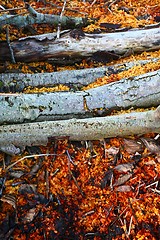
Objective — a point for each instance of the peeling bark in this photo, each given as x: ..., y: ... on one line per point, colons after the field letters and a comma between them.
x: 81, y: 129
x: 76, y: 45
x: 16, y: 82
x: 140, y: 91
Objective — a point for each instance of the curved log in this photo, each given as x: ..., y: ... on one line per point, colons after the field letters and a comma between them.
x: 76, y: 45
x: 81, y: 129
x: 16, y: 82
x: 140, y: 91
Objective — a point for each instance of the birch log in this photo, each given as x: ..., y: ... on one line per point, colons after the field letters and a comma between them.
x: 76, y: 45
x: 81, y: 129
x: 140, y: 91
x: 16, y: 82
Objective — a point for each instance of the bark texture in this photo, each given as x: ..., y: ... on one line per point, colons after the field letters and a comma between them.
x: 16, y: 82
x: 76, y: 45
x: 34, y: 17
x: 81, y: 129
x: 140, y: 91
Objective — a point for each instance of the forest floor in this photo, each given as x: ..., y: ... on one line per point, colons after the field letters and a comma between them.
x: 106, y: 189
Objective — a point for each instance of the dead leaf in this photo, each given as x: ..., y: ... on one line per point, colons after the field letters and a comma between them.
x: 132, y: 146
x: 16, y: 174
x: 122, y: 179
x: 124, y: 188
x: 7, y: 226
x: 27, y: 188
x: 151, y: 145
x: 112, y: 151
x: 30, y: 215
x: 10, y: 199
x: 107, y: 179
x: 126, y: 167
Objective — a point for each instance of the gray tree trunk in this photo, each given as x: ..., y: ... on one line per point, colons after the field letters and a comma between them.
x: 140, y: 91
x: 76, y: 45
x: 81, y: 129
x: 74, y: 79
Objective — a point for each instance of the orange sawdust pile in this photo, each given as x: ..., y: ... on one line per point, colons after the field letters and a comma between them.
x: 132, y: 72
x: 102, y: 188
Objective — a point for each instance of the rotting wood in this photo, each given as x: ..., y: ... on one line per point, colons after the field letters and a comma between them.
x: 81, y: 129
x: 76, y: 45
x: 141, y: 91
x: 16, y: 82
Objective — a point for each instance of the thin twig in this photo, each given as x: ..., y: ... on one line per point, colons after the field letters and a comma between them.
x: 154, y: 183
x: 139, y: 185
x: 111, y: 182
x: 105, y: 149
x: 9, y: 45
x: 113, y: 2
x: 3, y: 9
x: 91, y: 234
x: 74, y: 179
x: 31, y: 156
x: 118, y: 217
x: 125, y: 225
x: 109, y: 6
x: 4, y: 164
x: 10, y: 9
x: 10, y: 94
x: 88, y: 213
x: 93, y: 2
x: 47, y: 184
x: 60, y: 19
x: 108, y: 211
x: 133, y: 211
x: 70, y: 159
x: 130, y: 224
x: 55, y: 172
x: 155, y: 190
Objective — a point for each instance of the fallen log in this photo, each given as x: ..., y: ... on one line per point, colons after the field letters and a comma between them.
x: 81, y: 129
x: 34, y: 17
x: 76, y: 45
x: 17, y: 82
x: 141, y: 91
